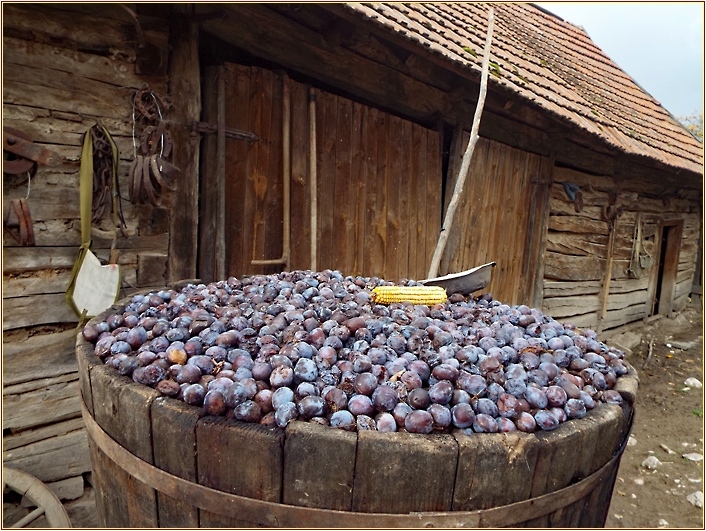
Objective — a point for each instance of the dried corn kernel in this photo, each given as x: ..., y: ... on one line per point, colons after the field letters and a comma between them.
x: 428, y: 295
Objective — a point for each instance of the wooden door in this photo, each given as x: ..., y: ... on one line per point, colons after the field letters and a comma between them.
x: 665, y: 278
x: 501, y: 217
x: 378, y: 182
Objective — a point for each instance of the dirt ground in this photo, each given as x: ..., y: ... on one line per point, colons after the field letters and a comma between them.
x: 668, y: 424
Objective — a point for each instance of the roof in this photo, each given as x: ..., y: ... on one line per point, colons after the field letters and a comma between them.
x: 553, y: 64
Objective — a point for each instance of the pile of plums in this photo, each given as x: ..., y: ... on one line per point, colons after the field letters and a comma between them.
x: 312, y: 346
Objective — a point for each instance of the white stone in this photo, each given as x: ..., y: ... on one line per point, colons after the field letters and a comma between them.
x: 632, y: 441
x: 693, y: 457
x: 651, y: 463
x: 694, y: 480
x: 662, y: 523
x: 696, y: 498
x: 693, y: 382
x: 639, y: 481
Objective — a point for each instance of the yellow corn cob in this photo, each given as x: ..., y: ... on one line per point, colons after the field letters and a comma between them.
x: 428, y: 295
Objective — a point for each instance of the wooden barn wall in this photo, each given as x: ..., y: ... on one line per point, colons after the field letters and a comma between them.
x: 378, y: 180
x: 577, y: 248
x: 65, y: 67
x: 494, y: 221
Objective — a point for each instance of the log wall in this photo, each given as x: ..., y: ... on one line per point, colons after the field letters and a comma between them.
x: 578, y: 249
x: 65, y: 68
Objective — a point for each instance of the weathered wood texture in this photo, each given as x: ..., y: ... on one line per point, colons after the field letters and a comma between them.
x: 378, y: 183
x: 66, y: 67
x: 494, y: 221
x: 578, y: 249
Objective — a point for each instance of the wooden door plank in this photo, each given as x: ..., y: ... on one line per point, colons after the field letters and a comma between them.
x: 237, y: 156
x: 274, y: 198
x: 405, y: 200
x: 300, y: 238
x: 355, y: 251
x: 417, y: 210
x: 376, y: 227
x: 262, y: 84
x: 393, y: 249
x: 433, y: 189
x: 343, y: 197
x: 326, y: 115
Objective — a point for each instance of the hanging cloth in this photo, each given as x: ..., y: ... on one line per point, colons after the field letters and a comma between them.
x: 93, y: 287
x: 640, y: 260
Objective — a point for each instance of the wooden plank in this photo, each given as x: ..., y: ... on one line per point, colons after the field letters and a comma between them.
x: 30, y: 436
x: 587, y: 320
x: 185, y: 91
x: 109, y: 69
x: 393, y: 249
x: 222, y: 445
x: 573, y: 305
x: 300, y: 239
x: 100, y: 32
x: 625, y: 315
x: 238, y: 154
x: 573, y: 244
x: 418, y: 199
x: 618, y: 301
x: 562, y: 445
x: 326, y: 118
x: 27, y: 86
x: 174, y: 440
x: 493, y: 470
x: 626, y: 286
x: 597, y: 182
x: 404, y: 201
x: 568, y: 288
x: 261, y: 102
x: 67, y: 489
x: 52, y: 459
x: 21, y: 259
x: 305, y: 482
x: 274, y: 198
x: 53, y: 402
x: 355, y: 251
x: 576, y: 268
x: 376, y: 184
x: 25, y: 359
x: 376, y: 468
x: 32, y: 310
x: 343, y: 189
x: 573, y: 224
x: 208, y: 190
x: 434, y: 185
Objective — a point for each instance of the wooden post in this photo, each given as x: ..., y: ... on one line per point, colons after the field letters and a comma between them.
x: 185, y: 91
x: 463, y: 172
x: 605, y: 290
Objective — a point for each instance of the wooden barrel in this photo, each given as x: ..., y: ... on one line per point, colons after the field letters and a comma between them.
x: 159, y: 462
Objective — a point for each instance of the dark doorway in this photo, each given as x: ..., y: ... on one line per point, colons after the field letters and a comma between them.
x: 669, y: 244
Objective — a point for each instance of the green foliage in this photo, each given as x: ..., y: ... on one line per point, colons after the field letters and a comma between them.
x: 470, y: 50
x: 494, y: 68
x: 699, y: 412
x: 695, y: 124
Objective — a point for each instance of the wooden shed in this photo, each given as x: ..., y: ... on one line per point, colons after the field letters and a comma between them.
x: 584, y: 189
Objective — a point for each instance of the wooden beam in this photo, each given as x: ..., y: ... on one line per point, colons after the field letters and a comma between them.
x: 185, y: 91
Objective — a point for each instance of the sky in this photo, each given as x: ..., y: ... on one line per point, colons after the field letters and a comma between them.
x: 659, y: 44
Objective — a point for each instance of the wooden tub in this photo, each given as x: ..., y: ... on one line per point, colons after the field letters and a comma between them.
x: 158, y: 462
